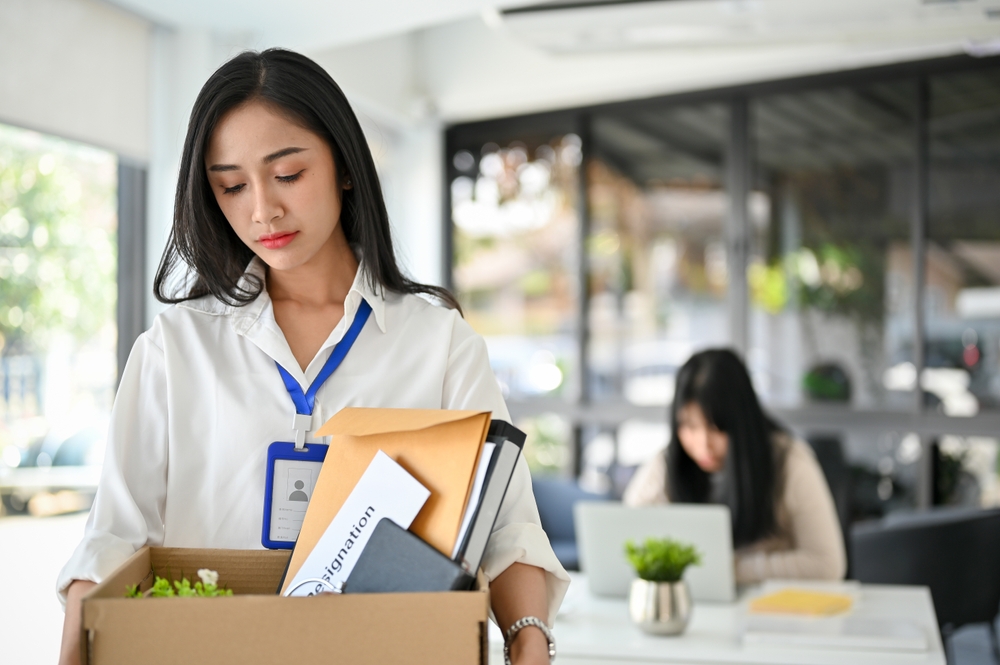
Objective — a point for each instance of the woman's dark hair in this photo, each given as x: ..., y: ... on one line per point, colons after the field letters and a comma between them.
x: 201, y: 238
x: 717, y: 381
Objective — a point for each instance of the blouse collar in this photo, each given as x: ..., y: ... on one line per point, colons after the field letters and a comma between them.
x: 256, y: 321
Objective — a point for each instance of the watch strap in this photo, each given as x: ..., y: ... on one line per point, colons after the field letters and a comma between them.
x: 524, y: 622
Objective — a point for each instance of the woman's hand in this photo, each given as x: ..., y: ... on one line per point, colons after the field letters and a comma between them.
x: 69, y: 653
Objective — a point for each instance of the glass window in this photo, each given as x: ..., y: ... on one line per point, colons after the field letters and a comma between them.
x: 830, y: 271
x: 656, y: 249
x: 546, y: 448
x: 58, y: 293
x: 516, y: 257
x: 830, y: 276
x: 870, y: 474
x: 962, y: 301
x: 966, y: 471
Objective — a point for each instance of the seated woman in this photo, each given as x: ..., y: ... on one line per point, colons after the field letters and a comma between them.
x: 724, y: 449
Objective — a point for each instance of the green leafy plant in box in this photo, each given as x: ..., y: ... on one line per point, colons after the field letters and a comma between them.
x: 661, y: 559
x: 208, y: 587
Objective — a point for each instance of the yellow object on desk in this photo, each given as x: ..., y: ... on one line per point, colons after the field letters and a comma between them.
x: 802, y: 601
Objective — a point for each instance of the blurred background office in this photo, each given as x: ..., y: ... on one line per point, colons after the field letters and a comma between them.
x: 608, y: 186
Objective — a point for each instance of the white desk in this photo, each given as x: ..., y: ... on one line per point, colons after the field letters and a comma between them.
x: 598, y: 631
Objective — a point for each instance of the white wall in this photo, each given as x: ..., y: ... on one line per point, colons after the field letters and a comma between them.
x: 384, y: 81
x: 77, y: 69
x: 380, y: 75
x: 412, y: 182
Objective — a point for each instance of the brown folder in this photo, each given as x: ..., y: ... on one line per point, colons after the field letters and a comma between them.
x: 440, y: 448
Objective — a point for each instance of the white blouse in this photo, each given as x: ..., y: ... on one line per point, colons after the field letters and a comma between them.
x: 201, y: 400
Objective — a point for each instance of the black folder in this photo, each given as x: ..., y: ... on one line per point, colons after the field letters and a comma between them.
x: 509, y: 441
x: 395, y: 560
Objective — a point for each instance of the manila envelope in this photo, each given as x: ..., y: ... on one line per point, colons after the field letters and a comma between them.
x: 439, y: 448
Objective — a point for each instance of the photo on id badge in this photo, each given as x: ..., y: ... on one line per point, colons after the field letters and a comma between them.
x: 293, y: 486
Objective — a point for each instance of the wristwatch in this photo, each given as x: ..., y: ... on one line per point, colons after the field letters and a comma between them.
x: 523, y: 622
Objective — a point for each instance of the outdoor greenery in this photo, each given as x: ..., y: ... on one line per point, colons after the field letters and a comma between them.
x: 949, y: 470
x: 58, y: 286
x: 547, y: 444
x: 661, y: 559
x: 829, y: 278
x: 57, y: 240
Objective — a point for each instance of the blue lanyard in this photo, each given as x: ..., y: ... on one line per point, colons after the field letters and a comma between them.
x: 304, y: 402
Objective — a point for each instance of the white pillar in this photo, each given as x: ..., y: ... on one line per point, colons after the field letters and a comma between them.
x: 413, y: 186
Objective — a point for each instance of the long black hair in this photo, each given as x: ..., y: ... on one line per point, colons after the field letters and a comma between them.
x: 717, y: 381
x: 203, y: 240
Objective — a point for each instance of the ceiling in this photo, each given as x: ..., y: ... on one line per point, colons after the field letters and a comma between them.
x: 399, y: 57
x: 587, y: 25
x: 864, y: 127
x: 309, y: 24
x: 630, y: 24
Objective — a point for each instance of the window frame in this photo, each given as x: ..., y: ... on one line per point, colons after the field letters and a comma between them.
x: 132, y: 295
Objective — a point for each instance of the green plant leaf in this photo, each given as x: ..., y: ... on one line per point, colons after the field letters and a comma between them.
x: 162, y: 589
x: 661, y: 559
x: 184, y: 589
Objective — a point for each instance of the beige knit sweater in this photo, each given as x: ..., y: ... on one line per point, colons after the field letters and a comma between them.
x: 808, y: 543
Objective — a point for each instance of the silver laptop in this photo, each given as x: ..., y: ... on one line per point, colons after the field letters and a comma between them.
x: 602, y: 527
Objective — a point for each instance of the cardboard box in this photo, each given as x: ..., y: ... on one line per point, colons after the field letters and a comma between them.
x: 257, y: 626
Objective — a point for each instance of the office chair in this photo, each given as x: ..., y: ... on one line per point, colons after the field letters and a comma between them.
x: 952, y: 551
x: 555, y: 498
x: 829, y: 451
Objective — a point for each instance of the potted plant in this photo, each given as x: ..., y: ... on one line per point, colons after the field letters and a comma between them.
x: 659, y: 600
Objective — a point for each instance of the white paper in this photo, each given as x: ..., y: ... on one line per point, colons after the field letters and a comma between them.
x: 477, y: 490
x: 385, y: 490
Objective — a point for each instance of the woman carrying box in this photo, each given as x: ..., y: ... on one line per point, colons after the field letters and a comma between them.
x: 280, y: 248
x: 724, y: 449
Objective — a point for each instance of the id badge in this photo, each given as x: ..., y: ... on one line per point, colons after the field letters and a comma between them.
x: 291, y: 478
